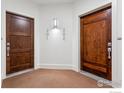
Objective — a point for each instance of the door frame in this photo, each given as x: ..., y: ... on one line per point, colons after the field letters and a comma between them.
x: 87, y: 13
x: 21, y: 15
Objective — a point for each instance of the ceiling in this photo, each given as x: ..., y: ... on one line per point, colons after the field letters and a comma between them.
x: 52, y: 1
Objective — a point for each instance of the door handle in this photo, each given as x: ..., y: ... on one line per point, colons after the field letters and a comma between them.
x: 8, y: 49
x: 109, y: 53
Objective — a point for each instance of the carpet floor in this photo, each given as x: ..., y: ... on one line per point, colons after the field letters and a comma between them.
x: 47, y: 78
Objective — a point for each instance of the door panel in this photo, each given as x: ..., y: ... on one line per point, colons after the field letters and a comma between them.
x: 20, y: 26
x: 20, y: 58
x: 95, y: 36
x: 20, y: 42
x: 91, y: 44
x: 16, y: 45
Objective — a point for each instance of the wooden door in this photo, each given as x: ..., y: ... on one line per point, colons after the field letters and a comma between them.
x: 96, y: 43
x: 19, y: 42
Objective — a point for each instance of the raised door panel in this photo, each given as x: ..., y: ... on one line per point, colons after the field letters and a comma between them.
x: 18, y: 59
x: 20, y: 26
x: 20, y: 43
x: 95, y: 17
x: 95, y: 42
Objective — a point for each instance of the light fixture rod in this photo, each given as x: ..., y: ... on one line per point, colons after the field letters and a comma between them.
x: 55, y: 22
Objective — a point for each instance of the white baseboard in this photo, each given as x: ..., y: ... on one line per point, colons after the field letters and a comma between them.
x: 116, y: 85
x: 3, y: 77
x: 18, y: 73
x: 58, y: 66
x: 111, y: 83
